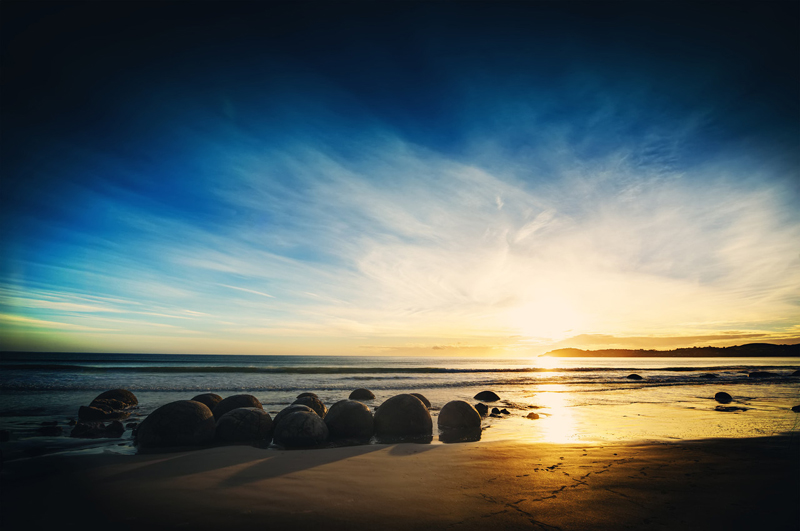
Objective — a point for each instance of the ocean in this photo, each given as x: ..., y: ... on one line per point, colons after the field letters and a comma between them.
x: 578, y: 400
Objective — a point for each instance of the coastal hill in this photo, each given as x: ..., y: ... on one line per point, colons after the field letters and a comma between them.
x: 750, y: 350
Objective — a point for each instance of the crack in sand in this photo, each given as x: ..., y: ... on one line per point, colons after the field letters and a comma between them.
x: 626, y: 497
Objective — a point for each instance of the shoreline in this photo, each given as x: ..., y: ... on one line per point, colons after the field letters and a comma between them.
x: 691, y: 484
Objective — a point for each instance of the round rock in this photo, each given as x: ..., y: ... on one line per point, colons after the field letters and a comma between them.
x: 482, y: 409
x: 403, y: 417
x: 290, y: 409
x: 458, y: 414
x: 723, y: 398
x: 314, y: 403
x: 244, y: 425
x: 235, y: 402
x: 487, y: 396
x: 209, y: 399
x: 117, y: 399
x: 181, y: 423
x: 633, y: 377
x: 301, y: 429
x: 361, y: 394
x: 422, y: 399
x: 349, y: 419
x: 301, y: 395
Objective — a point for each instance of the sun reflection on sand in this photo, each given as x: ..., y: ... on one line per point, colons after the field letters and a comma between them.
x: 557, y: 423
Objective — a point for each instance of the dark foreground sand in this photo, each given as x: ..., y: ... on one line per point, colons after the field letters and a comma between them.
x: 719, y: 484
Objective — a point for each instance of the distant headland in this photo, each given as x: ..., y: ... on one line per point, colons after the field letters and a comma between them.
x: 750, y: 350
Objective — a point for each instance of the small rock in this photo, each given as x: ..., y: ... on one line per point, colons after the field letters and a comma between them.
x: 763, y: 374
x: 362, y: 394
x: 115, y: 429
x: 483, y: 409
x: 532, y: 416
x: 495, y: 411
x: 633, y: 377
x: 504, y: 411
x: 723, y: 398
x: 487, y: 396
x: 729, y: 409
x: 796, y: 409
x: 707, y: 375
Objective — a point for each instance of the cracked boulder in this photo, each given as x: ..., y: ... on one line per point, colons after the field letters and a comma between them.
x: 181, y: 423
x: 300, y: 429
x: 349, y: 419
x: 234, y: 402
x: 311, y: 400
x: 244, y: 425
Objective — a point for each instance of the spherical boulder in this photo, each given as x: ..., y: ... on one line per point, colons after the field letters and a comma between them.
x: 633, y: 377
x: 314, y: 403
x: 234, y: 402
x: 117, y: 399
x: 181, y: 423
x: 458, y: 414
x: 301, y: 395
x: 422, y: 399
x: 361, y: 394
x: 209, y: 399
x: 244, y: 425
x: 301, y: 429
x: 349, y: 419
x: 403, y: 417
x: 487, y: 396
x: 723, y: 398
x: 290, y: 409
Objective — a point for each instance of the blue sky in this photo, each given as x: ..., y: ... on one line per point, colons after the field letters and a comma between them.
x: 399, y: 178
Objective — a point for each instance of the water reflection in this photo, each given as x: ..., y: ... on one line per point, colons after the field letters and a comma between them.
x: 557, y: 424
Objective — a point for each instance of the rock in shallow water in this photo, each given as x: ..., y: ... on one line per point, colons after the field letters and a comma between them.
x: 235, y: 402
x: 244, y: 425
x: 362, y: 394
x: 723, y: 398
x: 403, y: 417
x: 487, y: 396
x: 633, y: 377
x: 349, y: 419
x: 301, y: 429
x: 181, y: 423
x: 482, y: 409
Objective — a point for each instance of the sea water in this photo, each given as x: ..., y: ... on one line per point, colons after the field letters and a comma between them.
x: 577, y: 400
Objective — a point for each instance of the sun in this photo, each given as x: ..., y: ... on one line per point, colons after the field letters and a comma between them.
x: 552, y: 318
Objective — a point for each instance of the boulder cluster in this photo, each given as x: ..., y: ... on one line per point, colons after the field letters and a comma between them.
x: 306, y: 423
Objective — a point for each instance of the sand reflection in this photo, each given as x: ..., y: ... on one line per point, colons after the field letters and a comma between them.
x: 557, y: 423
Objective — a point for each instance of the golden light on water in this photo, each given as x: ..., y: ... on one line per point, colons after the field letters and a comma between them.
x: 556, y: 423
x: 547, y: 362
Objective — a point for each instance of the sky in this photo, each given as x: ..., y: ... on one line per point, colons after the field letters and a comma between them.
x: 398, y: 178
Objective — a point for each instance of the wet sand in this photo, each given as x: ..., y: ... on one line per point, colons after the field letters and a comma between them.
x: 712, y: 484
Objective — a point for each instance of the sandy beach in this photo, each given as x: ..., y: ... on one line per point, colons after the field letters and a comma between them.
x: 712, y: 484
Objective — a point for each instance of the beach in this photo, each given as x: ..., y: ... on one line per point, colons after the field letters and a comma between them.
x: 711, y: 484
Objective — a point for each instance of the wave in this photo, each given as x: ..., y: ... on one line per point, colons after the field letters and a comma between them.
x: 219, y: 369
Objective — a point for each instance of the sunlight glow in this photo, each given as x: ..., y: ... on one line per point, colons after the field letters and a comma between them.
x: 557, y: 422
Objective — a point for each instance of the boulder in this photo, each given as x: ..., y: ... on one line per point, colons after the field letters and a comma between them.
x: 487, y: 396
x: 348, y: 419
x: 244, y: 425
x: 458, y: 414
x: 403, y: 417
x: 796, y: 373
x: 763, y: 374
x: 633, y: 377
x: 495, y: 411
x: 289, y: 409
x: 361, y: 394
x: 314, y: 403
x: 422, y: 399
x: 302, y: 395
x: 796, y: 409
x: 117, y: 398
x: 209, y: 399
x: 181, y: 423
x: 723, y: 398
x: 115, y: 429
x: 707, y: 375
x: 532, y: 416
x: 234, y: 402
x: 483, y: 409
x: 301, y: 429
